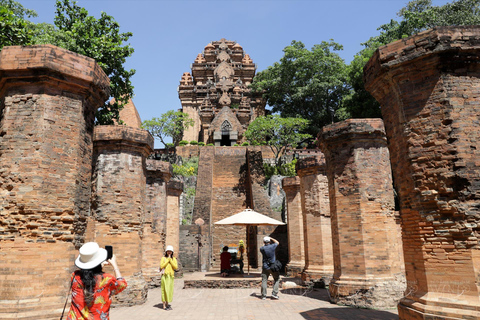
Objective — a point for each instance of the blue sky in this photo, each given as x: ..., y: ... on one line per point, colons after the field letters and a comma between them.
x: 168, y: 35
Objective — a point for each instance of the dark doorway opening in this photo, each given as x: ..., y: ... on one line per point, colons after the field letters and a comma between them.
x: 225, y: 139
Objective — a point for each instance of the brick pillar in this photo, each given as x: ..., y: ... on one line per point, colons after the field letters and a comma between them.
x: 48, y: 99
x: 296, y: 246
x: 118, y: 206
x: 317, y: 230
x: 174, y: 190
x: 155, y: 222
x: 367, y: 272
x: 428, y: 86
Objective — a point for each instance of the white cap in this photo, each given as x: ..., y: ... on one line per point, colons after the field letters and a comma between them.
x: 266, y: 239
x: 91, y: 255
x: 169, y: 248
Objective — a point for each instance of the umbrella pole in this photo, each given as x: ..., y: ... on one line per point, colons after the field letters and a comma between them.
x: 248, y: 249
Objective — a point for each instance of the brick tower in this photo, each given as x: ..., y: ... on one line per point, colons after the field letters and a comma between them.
x: 428, y: 87
x: 216, y: 94
x: 368, y: 272
x: 48, y: 101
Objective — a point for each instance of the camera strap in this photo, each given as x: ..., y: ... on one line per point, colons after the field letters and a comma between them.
x: 68, y: 294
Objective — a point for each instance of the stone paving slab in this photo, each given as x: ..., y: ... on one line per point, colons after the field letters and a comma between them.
x: 238, y: 304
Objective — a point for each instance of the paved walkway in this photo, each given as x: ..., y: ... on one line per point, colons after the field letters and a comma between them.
x: 239, y: 304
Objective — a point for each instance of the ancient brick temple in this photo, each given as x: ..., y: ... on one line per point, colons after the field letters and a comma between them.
x: 428, y: 87
x: 50, y: 204
x: 368, y: 269
x: 216, y: 94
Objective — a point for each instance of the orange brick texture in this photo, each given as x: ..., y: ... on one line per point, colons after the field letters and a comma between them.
x: 155, y: 221
x: 174, y: 190
x: 48, y: 100
x: 365, y: 242
x: 428, y: 87
x: 228, y: 197
x: 119, y: 193
x: 317, y: 231
x: 296, y: 247
x: 230, y: 180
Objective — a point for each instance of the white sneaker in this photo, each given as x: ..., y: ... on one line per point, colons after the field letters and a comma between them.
x: 275, y: 297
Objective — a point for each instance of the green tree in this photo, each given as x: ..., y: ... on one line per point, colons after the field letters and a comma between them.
x: 101, y: 40
x: 416, y: 16
x: 170, y: 124
x: 15, y: 29
x: 79, y: 32
x: 278, y: 133
x: 305, y: 83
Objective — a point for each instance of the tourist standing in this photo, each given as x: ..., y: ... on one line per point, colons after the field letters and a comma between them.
x: 92, y: 289
x: 168, y: 264
x: 268, y: 254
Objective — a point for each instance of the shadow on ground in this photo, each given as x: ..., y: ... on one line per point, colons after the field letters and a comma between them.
x: 319, y: 294
x: 348, y: 313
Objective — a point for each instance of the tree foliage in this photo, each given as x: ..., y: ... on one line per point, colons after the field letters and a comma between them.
x: 416, y: 16
x: 15, y: 30
x: 170, y: 124
x: 278, y: 133
x: 101, y: 40
x: 77, y: 31
x: 305, y: 83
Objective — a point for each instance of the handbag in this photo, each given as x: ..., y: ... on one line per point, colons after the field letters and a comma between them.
x: 276, y: 266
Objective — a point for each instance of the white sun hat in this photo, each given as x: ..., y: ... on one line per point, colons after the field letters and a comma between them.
x: 266, y: 239
x: 91, y: 255
x: 169, y: 248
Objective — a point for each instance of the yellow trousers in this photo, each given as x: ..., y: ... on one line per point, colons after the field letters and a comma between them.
x: 167, y: 288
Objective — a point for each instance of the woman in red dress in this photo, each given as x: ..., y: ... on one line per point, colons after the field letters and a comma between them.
x: 92, y: 289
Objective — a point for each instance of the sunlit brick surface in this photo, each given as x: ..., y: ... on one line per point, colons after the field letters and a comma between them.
x: 367, y: 259
x: 429, y: 89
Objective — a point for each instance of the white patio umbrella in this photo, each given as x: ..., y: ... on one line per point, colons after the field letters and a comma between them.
x: 248, y: 217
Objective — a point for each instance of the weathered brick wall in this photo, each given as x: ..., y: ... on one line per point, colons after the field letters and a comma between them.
x: 296, y: 246
x: 203, y: 196
x: 428, y: 86
x: 257, y: 196
x: 317, y: 230
x: 192, y: 240
x: 48, y: 97
x: 118, y: 205
x: 155, y: 219
x: 228, y: 197
x: 362, y: 208
x: 174, y: 190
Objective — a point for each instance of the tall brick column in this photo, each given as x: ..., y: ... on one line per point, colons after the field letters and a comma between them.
x: 428, y: 86
x: 48, y: 99
x: 367, y: 270
x: 155, y: 222
x: 174, y: 190
x: 317, y: 229
x: 118, y: 206
x: 296, y: 247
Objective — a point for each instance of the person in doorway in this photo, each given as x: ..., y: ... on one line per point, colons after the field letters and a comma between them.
x: 225, y: 258
x: 169, y: 264
x: 92, y: 289
x: 268, y: 254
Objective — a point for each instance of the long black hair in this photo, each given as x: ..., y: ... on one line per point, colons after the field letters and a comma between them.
x: 88, y: 279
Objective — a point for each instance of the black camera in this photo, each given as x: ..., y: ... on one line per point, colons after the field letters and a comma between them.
x: 109, y: 252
